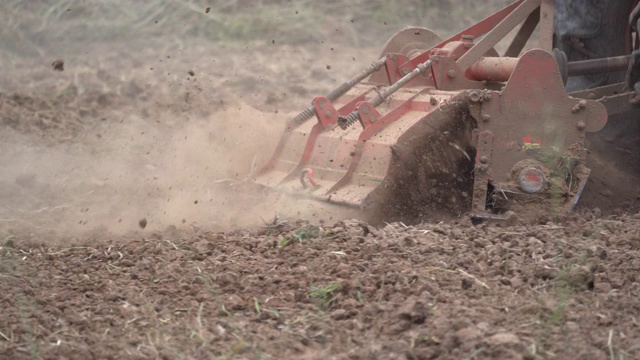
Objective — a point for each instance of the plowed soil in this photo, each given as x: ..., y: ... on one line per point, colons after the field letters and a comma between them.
x: 128, y: 229
x: 342, y: 291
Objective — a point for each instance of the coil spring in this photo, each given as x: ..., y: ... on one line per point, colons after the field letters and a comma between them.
x: 345, y: 121
x: 341, y: 90
x: 305, y: 115
x: 308, y: 113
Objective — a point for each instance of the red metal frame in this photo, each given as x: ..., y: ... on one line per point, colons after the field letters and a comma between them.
x: 529, y: 90
x: 372, y: 123
x: 534, y: 94
x: 395, y: 63
x: 327, y: 117
x: 276, y: 154
x: 394, y: 67
x: 476, y: 30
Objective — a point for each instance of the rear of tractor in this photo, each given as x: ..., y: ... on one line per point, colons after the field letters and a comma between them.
x: 448, y: 127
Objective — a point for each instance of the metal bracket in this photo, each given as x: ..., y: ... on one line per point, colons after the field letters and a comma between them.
x: 482, y: 173
x: 372, y: 123
x: 392, y: 65
x: 368, y: 114
x: 325, y: 112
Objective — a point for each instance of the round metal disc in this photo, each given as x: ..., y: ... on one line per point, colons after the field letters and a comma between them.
x: 531, y: 180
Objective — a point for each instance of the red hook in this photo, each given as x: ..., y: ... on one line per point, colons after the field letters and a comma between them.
x: 309, y: 173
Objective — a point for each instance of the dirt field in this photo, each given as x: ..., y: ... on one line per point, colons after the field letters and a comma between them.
x: 127, y: 229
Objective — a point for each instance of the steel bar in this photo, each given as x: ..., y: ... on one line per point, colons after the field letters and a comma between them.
x: 498, y: 33
x: 596, y: 66
x: 309, y: 112
x: 523, y: 35
x: 346, y: 121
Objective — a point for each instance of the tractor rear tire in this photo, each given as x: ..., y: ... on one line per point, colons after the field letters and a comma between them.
x: 591, y: 29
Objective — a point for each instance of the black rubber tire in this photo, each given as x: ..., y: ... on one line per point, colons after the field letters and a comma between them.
x: 591, y: 29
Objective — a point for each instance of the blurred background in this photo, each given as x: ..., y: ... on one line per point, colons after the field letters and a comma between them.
x: 36, y: 26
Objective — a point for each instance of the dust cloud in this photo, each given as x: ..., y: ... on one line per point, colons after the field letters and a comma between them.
x: 193, y: 174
